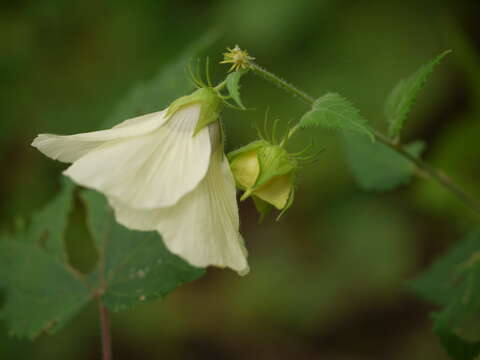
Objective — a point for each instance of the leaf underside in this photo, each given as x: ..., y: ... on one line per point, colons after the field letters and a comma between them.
x: 377, y: 167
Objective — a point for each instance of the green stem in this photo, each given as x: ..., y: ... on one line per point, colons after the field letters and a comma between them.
x: 296, y: 92
x: 432, y: 173
x: 290, y: 133
x: 220, y: 86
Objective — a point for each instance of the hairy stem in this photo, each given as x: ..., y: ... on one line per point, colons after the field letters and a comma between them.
x: 267, y: 75
x: 432, y: 173
x: 105, y: 331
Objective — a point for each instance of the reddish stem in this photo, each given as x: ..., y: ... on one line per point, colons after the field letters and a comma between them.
x: 105, y: 330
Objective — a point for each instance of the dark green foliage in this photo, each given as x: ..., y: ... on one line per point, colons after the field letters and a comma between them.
x: 452, y: 282
x: 134, y: 266
x: 457, y: 347
x: 43, y: 291
x: 48, y: 228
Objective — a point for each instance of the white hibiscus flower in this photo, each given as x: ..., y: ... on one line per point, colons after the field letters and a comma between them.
x: 164, y: 171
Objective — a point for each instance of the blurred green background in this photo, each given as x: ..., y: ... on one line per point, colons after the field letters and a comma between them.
x: 329, y: 281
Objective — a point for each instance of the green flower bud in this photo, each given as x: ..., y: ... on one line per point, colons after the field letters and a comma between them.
x: 266, y: 172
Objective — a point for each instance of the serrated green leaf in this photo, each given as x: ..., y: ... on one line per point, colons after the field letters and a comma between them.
x: 403, y: 95
x: 452, y: 282
x: 233, y: 86
x: 135, y: 266
x: 169, y: 83
x: 333, y: 111
x: 377, y: 167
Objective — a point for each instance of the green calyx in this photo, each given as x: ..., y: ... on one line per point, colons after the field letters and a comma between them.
x: 265, y: 172
x: 209, y: 101
x: 274, y: 161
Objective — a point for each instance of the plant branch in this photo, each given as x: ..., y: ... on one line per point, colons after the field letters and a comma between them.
x: 432, y: 173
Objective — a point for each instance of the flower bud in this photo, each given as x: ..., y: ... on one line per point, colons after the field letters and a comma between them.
x: 240, y: 59
x: 266, y: 172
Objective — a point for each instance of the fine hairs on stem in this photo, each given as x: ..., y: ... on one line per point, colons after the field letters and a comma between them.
x: 432, y: 173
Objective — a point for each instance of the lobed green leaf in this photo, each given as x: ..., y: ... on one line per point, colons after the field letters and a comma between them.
x: 134, y: 266
x: 43, y: 291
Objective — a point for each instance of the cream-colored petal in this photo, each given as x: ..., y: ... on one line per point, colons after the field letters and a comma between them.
x: 69, y: 148
x: 276, y: 191
x: 135, y: 219
x: 203, y: 227
x: 246, y: 169
x: 149, y: 171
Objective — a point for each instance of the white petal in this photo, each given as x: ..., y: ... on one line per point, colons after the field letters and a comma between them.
x: 203, y: 227
x: 152, y: 170
x: 69, y: 148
